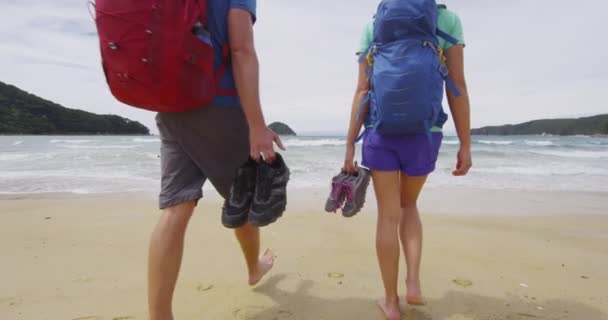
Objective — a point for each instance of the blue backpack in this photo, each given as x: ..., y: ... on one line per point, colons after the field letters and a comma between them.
x: 407, y: 69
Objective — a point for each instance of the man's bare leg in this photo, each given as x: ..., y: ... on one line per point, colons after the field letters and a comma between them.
x: 165, y: 258
x: 257, y: 266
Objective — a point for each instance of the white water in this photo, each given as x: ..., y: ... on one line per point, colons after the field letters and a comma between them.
x: 95, y: 164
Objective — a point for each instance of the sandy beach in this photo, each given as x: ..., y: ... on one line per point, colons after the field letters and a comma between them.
x: 85, y: 258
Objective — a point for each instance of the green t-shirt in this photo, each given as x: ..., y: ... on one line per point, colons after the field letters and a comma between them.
x: 447, y: 21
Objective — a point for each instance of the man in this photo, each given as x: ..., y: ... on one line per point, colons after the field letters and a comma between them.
x: 210, y: 143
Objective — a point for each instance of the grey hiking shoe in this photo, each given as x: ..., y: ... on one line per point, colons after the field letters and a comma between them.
x: 355, y: 189
x: 236, y: 208
x: 336, y: 196
x: 270, y: 199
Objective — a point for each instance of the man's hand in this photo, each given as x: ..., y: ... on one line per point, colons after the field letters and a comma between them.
x: 261, y: 140
x: 464, y: 162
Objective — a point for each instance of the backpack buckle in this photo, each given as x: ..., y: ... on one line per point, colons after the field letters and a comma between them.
x: 432, y: 46
x: 370, y: 54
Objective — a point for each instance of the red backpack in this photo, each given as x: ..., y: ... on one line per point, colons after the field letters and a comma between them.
x: 151, y: 57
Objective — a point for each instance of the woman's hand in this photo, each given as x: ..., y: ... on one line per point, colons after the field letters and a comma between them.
x: 464, y: 162
x: 350, y: 166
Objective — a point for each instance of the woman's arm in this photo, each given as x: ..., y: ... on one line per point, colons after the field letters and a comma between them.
x: 461, y: 111
x: 355, y: 124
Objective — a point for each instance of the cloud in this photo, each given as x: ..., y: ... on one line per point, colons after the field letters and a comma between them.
x: 524, y: 59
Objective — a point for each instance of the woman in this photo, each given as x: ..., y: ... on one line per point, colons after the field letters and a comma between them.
x: 400, y: 165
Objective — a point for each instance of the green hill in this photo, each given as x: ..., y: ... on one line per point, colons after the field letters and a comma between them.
x: 596, y: 125
x: 281, y: 129
x: 25, y: 113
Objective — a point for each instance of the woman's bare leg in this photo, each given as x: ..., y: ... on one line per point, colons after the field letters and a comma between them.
x: 386, y: 185
x: 410, y: 232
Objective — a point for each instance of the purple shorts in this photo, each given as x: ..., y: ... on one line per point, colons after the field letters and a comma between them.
x: 413, y: 155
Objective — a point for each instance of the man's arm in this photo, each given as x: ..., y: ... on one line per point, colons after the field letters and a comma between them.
x: 460, y: 108
x: 246, y: 74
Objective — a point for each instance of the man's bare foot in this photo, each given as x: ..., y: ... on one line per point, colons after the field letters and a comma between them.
x: 264, y: 265
x: 391, y: 310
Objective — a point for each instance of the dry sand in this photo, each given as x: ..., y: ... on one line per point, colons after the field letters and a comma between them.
x: 86, y: 259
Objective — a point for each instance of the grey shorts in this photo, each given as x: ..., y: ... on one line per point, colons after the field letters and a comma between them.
x: 206, y: 143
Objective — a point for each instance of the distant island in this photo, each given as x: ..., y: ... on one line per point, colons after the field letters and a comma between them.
x: 596, y: 125
x: 25, y: 113
x: 281, y: 129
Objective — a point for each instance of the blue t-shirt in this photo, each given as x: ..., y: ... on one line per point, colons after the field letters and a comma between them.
x: 218, y: 27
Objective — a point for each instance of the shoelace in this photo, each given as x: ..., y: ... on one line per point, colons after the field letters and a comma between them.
x: 240, y: 187
x: 264, y: 184
x: 348, y: 192
x: 336, y: 190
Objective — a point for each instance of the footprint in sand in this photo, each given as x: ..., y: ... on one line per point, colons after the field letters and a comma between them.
x: 284, y: 314
x: 84, y: 279
x: 335, y: 275
x: 204, y: 287
x: 248, y: 313
x: 463, y: 282
x: 527, y: 315
x: 11, y: 302
x: 255, y: 313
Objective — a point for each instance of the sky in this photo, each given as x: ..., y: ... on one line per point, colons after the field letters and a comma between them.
x: 524, y: 59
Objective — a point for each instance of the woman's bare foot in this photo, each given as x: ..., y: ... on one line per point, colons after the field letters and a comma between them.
x: 264, y: 265
x: 414, y: 294
x: 391, y: 309
x: 416, y: 301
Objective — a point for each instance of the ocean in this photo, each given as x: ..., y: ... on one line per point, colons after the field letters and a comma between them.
x: 119, y: 164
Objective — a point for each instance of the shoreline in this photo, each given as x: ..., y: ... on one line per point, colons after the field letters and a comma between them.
x: 434, y: 200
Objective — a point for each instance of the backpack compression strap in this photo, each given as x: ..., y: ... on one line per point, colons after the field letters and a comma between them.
x: 222, y: 70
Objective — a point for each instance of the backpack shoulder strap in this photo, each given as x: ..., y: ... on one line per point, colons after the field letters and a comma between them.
x: 447, y: 37
x: 442, y: 33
